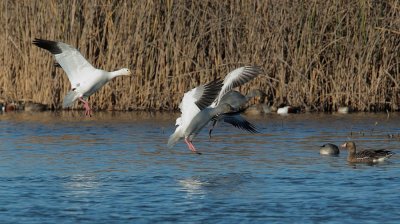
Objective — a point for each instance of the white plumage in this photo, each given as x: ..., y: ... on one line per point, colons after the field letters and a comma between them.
x: 201, y: 104
x: 85, y: 79
x: 192, y: 103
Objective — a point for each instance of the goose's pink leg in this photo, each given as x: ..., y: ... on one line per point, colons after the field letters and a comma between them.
x: 191, y: 146
x: 88, y: 111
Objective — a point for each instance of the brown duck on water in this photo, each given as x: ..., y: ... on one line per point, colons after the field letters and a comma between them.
x: 365, y: 156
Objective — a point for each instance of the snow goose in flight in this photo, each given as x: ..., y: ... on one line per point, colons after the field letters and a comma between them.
x: 192, y: 103
x: 85, y: 79
x: 197, y: 112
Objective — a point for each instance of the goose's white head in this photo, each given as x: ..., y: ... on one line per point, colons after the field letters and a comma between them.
x: 125, y: 71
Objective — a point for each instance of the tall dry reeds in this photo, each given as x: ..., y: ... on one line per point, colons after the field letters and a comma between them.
x: 317, y: 54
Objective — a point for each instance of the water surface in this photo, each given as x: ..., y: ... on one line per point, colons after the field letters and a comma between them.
x: 115, y: 167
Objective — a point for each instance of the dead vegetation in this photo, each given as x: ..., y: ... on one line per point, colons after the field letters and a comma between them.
x: 315, y: 54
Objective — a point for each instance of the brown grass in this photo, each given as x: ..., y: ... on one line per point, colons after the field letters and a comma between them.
x: 318, y: 54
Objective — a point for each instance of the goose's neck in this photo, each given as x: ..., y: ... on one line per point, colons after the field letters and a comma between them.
x: 351, y: 153
x: 256, y: 93
x: 117, y: 73
x: 114, y: 74
x: 217, y: 110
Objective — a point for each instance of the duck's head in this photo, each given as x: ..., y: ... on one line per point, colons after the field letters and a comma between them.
x: 351, y: 146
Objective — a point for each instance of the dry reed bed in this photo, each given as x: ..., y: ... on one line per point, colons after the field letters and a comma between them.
x: 317, y: 54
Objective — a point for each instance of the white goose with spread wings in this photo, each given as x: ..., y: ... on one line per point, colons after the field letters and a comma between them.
x: 192, y: 103
x: 85, y: 79
x: 197, y: 112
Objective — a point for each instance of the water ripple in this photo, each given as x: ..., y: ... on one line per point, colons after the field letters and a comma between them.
x: 115, y: 167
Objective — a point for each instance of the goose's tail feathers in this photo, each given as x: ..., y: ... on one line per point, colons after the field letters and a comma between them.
x: 70, y: 98
x: 173, y: 139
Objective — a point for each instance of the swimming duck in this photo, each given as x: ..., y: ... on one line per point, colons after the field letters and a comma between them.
x: 288, y: 110
x: 32, y: 106
x: 329, y: 149
x: 343, y: 110
x: 365, y: 156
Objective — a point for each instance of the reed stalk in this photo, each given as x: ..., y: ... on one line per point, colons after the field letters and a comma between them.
x: 317, y: 54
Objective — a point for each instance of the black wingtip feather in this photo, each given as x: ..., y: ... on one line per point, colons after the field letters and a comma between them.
x: 47, y: 45
x: 241, y: 123
x: 210, y: 93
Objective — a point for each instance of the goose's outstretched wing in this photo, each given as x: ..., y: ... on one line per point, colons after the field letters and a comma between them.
x: 237, y: 78
x: 192, y: 103
x: 197, y: 99
x: 239, y: 122
x: 69, y: 58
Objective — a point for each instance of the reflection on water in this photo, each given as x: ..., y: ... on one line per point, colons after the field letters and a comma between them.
x: 115, y: 167
x: 81, y: 184
x: 193, y: 187
x: 201, y: 185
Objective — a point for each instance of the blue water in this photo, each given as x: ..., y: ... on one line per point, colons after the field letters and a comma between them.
x: 116, y: 168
